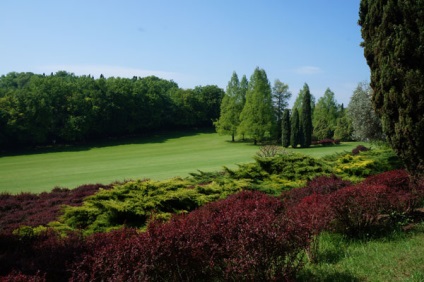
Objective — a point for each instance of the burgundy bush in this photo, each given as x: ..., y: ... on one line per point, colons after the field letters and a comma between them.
x: 321, y: 185
x: 315, y: 214
x: 245, y: 237
x: 402, y: 196
x: 34, y: 210
x: 326, y: 142
x: 357, y: 209
x: 47, y: 254
x: 358, y: 149
x: 20, y: 277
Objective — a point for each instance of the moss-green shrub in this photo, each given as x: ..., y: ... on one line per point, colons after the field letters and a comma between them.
x: 134, y: 203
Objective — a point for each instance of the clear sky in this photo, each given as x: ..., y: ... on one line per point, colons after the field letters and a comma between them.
x: 193, y: 42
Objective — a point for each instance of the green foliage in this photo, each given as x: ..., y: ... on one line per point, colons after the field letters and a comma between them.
x: 393, y: 33
x: 286, y: 126
x: 280, y: 97
x: 257, y: 114
x: 365, y: 123
x: 356, y: 168
x: 306, y: 118
x: 295, y: 129
x: 344, y: 129
x: 231, y: 107
x: 64, y: 108
x: 325, y: 116
x: 134, y: 203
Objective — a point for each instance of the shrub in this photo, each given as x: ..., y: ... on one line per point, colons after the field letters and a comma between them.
x: 358, y: 149
x: 20, y: 277
x: 321, y: 185
x: 315, y: 214
x: 34, y: 210
x: 244, y: 237
x: 133, y: 203
x: 357, y: 209
x: 294, y: 166
x: 326, y: 142
x: 403, y: 196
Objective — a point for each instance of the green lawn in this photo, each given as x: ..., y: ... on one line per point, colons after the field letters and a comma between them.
x: 158, y: 157
x: 396, y: 257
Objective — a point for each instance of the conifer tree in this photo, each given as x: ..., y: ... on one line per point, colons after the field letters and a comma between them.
x: 285, y: 128
x: 257, y: 114
x: 231, y: 107
x: 393, y: 34
x: 295, y: 129
x: 306, y: 119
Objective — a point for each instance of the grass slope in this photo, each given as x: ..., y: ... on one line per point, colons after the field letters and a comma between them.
x: 158, y: 157
x: 396, y: 257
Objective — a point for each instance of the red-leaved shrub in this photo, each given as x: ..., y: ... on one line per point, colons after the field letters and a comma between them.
x: 39, y: 209
x: 402, y: 195
x: 321, y: 185
x: 245, y: 237
x: 357, y: 209
x: 315, y: 214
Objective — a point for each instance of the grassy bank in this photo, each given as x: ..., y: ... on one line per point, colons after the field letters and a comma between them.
x: 158, y: 157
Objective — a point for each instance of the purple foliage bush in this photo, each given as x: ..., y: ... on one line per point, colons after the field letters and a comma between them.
x: 321, y: 185
x: 357, y: 209
x: 34, y: 210
x: 245, y: 237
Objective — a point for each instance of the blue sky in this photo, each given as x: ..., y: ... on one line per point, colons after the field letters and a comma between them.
x: 191, y: 42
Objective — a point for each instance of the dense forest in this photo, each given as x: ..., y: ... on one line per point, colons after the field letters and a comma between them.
x: 65, y: 108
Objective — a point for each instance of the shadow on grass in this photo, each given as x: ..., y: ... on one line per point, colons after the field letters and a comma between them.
x: 153, y: 137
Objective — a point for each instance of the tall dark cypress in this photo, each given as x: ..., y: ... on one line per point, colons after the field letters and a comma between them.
x: 306, y: 122
x: 393, y: 34
x: 295, y: 129
x: 285, y: 128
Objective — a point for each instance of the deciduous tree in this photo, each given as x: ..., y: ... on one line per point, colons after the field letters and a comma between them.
x: 365, y: 123
x: 280, y: 97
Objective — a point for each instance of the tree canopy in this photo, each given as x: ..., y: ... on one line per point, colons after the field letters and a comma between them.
x: 38, y: 109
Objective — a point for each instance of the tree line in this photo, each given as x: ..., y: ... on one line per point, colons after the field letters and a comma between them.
x: 254, y: 109
x: 62, y: 107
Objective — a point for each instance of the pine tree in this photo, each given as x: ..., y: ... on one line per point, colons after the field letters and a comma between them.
x: 257, y: 115
x: 285, y: 128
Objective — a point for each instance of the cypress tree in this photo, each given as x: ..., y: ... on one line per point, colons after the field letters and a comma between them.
x: 285, y: 128
x: 393, y: 40
x: 295, y: 129
x: 306, y: 120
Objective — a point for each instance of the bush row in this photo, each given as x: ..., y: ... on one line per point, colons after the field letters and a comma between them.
x: 27, y: 209
x: 247, y: 236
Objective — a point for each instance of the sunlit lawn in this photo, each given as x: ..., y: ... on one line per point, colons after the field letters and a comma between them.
x: 159, y: 157
x: 396, y: 257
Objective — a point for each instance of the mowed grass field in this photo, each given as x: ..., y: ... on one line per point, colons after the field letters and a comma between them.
x: 161, y: 156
